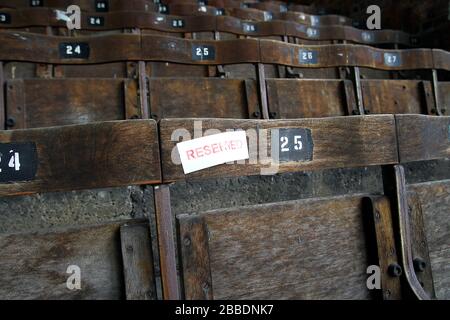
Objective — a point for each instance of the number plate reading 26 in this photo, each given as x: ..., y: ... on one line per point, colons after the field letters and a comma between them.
x: 18, y: 162
x: 74, y: 50
x: 200, y: 53
x: 292, y: 145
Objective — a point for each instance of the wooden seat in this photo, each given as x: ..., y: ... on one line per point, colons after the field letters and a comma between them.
x: 114, y: 261
x: 331, y: 143
x: 305, y: 249
x: 97, y: 155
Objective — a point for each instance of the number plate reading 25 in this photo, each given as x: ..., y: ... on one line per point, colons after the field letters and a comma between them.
x: 18, y: 162
x: 201, y: 53
x: 294, y: 145
x: 74, y: 50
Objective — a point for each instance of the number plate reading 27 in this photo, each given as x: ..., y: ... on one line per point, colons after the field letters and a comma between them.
x: 18, y: 162
x: 201, y: 53
x: 74, y: 50
x: 294, y: 145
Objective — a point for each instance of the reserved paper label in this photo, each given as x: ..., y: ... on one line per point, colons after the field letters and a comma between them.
x: 210, y: 151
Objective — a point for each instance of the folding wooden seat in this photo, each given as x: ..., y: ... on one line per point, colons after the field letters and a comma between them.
x: 96, y: 155
x: 330, y: 143
x: 100, y: 262
x: 372, y: 96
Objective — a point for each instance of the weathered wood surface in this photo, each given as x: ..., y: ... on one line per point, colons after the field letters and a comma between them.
x: 381, y: 218
x: 422, y: 137
x: 133, y: 47
x: 33, y: 266
x: 102, y: 154
x: 441, y: 59
x: 292, y: 99
x: 313, y: 20
x: 196, y: 273
x: 435, y: 201
x: 419, y: 244
x: 394, y: 96
x: 166, y: 243
x: 308, y: 249
x: 35, y: 103
x: 338, y: 142
x: 26, y: 17
x: 344, y: 55
x: 213, y: 98
x: 137, y: 262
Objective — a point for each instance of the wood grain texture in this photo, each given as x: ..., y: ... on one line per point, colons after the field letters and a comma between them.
x: 307, y: 249
x: 137, y: 262
x: 394, y: 96
x: 422, y: 137
x: 339, y: 55
x: 193, y: 241
x: 33, y: 266
x: 166, y: 243
x: 149, y: 47
x: 419, y: 244
x: 214, y: 98
x: 58, y: 102
x: 306, y: 98
x: 42, y: 48
x: 338, y: 142
x: 435, y: 199
x: 385, y: 243
x: 103, y: 154
x: 26, y: 17
x: 441, y: 59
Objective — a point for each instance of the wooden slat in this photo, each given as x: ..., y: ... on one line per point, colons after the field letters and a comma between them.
x: 306, y: 98
x: 307, y: 249
x: 435, y: 201
x: 385, y: 244
x: 338, y: 142
x: 57, y: 102
x: 137, y: 262
x: 166, y: 242
x: 33, y: 266
x: 193, y: 241
x: 214, y: 98
x: 393, y: 96
x: 103, y: 154
x: 422, y: 137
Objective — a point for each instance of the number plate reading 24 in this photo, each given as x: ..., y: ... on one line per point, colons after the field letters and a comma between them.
x: 292, y: 145
x: 74, y: 50
x: 18, y: 162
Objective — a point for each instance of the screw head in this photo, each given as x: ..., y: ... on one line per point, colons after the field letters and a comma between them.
x: 10, y: 122
x: 187, y: 241
x: 419, y: 265
x: 395, y: 270
x: 256, y: 114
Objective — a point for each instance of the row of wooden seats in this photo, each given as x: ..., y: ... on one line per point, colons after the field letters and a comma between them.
x: 163, y: 77
x: 204, y: 27
x: 184, y: 9
x: 120, y: 153
x: 318, y: 248
x: 291, y: 242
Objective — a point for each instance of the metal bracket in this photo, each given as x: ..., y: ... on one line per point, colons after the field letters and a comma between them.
x: 405, y: 234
